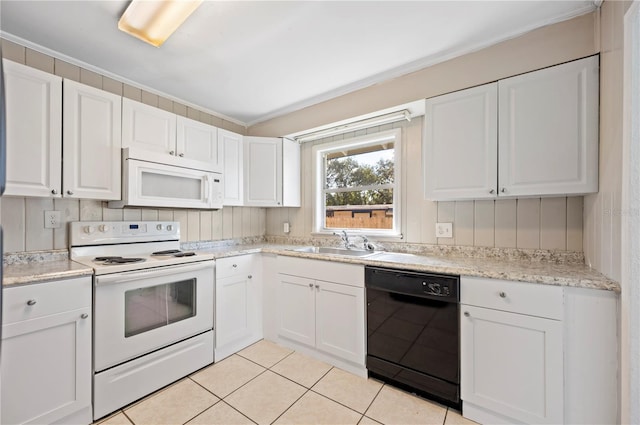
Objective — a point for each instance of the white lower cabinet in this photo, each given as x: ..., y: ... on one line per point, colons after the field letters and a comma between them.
x: 46, y: 353
x: 320, y: 309
x: 523, y: 347
x: 238, y: 312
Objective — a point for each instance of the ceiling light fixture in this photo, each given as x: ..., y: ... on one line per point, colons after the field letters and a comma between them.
x: 357, y: 125
x: 153, y: 21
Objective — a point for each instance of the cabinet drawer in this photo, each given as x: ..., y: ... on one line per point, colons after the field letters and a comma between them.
x: 328, y: 271
x: 231, y: 266
x: 524, y: 298
x: 46, y: 298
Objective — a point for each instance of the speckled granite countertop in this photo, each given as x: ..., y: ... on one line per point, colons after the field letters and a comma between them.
x: 523, y: 270
x: 34, y: 267
x: 37, y: 267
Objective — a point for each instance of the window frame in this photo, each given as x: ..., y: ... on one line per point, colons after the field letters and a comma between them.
x: 319, y: 152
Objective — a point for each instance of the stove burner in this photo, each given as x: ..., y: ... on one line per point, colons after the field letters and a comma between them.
x: 119, y: 260
x: 184, y: 254
x: 167, y: 252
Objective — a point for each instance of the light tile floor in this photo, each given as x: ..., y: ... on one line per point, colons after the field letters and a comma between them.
x: 268, y: 384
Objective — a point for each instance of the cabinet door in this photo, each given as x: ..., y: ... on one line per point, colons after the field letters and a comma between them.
x: 198, y: 142
x: 46, y: 368
x: 263, y: 171
x: 232, y: 147
x: 460, y: 144
x: 296, y: 302
x: 148, y: 128
x: 548, y: 131
x: 511, y: 364
x: 340, y: 321
x: 92, y: 142
x: 233, y: 310
x: 34, y: 131
x: 290, y: 173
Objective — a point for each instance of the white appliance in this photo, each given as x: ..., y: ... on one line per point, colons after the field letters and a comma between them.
x: 152, y: 310
x: 151, y: 183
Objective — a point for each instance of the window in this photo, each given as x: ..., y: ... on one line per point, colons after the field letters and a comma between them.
x: 357, y: 184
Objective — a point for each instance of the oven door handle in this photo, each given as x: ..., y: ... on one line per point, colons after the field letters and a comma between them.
x: 156, y: 272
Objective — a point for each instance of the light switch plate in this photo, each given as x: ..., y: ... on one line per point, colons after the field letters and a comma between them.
x: 444, y: 230
x: 52, y: 219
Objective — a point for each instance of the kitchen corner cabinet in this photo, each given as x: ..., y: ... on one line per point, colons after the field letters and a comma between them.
x: 238, y: 312
x: 516, y: 342
x: 46, y: 353
x: 91, y: 134
x: 34, y: 131
x: 168, y: 138
x: 540, y: 138
x: 271, y: 172
x: 321, y: 310
x: 233, y: 154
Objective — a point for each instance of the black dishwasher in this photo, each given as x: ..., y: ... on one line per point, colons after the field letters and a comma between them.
x: 413, y: 331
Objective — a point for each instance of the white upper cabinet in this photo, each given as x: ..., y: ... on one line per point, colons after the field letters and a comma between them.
x: 148, y: 128
x: 271, y: 172
x: 160, y: 136
x: 34, y: 131
x: 199, y: 142
x: 92, y: 142
x: 232, y: 152
x: 548, y: 131
x: 460, y: 146
x: 535, y: 134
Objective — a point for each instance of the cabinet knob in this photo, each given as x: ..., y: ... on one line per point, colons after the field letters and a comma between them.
x: 235, y: 266
x: 172, y: 152
x: 467, y: 314
x: 181, y: 155
x: 317, y: 286
x: 31, y: 302
x: 492, y: 191
x: 503, y: 294
x: 250, y: 277
x: 84, y: 315
x: 278, y: 203
x: 311, y: 285
x: 54, y: 192
x: 69, y: 192
x: 503, y: 190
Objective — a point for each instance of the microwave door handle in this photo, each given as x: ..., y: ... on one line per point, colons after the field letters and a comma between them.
x: 162, y: 271
x: 207, y: 189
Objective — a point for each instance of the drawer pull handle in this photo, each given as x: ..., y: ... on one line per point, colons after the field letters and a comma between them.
x: 31, y: 302
x: 84, y: 315
x: 503, y: 294
x: 467, y: 314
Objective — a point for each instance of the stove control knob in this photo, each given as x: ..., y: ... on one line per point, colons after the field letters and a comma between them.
x: 169, y: 227
x: 89, y: 229
x: 159, y: 227
x: 103, y: 228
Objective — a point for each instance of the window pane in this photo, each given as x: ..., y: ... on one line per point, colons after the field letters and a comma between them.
x: 366, y: 209
x: 355, y: 168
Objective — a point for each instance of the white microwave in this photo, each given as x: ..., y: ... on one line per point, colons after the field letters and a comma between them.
x: 152, y: 184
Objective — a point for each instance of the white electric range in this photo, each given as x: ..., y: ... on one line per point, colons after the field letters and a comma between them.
x: 152, y: 309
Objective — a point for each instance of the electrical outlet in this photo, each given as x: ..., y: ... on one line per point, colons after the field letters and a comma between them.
x: 444, y: 230
x: 286, y: 227
x: 52, y: 219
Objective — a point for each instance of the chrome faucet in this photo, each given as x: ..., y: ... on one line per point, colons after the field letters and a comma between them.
x: 344, y: 236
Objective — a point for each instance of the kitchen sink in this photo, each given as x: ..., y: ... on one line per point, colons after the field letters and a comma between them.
x: 336, y: 251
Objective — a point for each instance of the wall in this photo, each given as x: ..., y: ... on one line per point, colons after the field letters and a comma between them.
x: 22, y: 219
x: 602, y: 211
x: 549, y: 223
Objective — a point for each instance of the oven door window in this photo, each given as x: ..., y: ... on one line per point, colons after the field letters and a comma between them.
x: 157, y: 306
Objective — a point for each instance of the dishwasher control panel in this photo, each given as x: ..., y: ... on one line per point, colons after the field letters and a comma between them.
x: 445, y: 287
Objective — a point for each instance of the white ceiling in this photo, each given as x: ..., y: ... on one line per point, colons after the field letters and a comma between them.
x: 253, y: 60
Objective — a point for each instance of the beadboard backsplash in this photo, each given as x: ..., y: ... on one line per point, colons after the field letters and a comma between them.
x: 22, y: 221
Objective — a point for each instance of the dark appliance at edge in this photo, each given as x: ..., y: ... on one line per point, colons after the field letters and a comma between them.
x: 413, y: 332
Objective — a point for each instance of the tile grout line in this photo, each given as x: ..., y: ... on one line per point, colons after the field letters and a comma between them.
x: 374, y: 399
x: 291, y: 405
